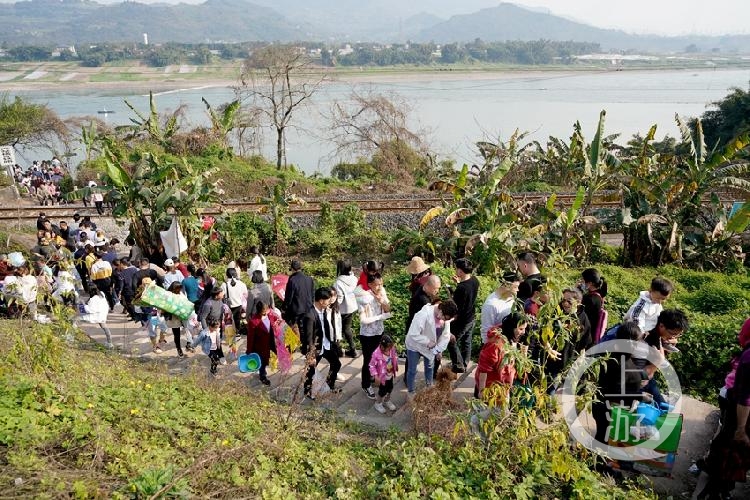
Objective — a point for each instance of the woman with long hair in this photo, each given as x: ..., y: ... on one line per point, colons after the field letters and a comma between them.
x: 594, y: 287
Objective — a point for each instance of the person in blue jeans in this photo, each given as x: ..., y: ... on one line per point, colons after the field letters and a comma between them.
x: 427, y: 338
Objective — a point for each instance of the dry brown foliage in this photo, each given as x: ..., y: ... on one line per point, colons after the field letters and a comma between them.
x: 434, y: 408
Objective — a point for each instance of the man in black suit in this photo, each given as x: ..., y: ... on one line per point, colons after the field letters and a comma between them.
x: 298, y: 296
x: 317, y: 340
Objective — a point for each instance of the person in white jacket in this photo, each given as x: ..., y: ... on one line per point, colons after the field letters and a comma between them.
x: 235, y: 292
x: 645, y: 311
x: 257, y: 263
x: 96, y: 310
x: 345, y: 285
x: 428, y: 337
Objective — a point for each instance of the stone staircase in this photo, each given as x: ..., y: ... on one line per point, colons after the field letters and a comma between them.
x: 131, y: 339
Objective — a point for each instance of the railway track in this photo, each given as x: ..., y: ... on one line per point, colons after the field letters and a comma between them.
x: 312, y: 206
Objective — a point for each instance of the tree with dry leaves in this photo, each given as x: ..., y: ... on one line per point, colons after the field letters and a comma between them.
x: 27, y: 125
x: 375, y: 126
x: 278, y: 80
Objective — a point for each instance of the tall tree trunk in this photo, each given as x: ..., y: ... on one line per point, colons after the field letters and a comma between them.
x: 279, y: 147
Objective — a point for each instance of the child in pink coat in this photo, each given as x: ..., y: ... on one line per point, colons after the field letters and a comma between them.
x: 383, y: 368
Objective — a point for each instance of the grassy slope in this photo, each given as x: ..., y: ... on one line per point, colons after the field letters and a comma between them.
x: 93, y: 424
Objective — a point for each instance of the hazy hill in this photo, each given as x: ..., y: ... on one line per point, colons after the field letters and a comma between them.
x: 74, y: 21
x: 511, y: 22
x: 48, y: 22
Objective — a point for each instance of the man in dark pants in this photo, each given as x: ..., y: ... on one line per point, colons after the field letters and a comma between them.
x: 426, y: 294
x: 298, y: 296
x: 127, y: 292
x: 317, y: 341
x: 462, y: 327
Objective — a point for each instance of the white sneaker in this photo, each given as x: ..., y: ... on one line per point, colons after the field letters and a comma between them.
x: 390, y: 405
x: 109, y: 346
x: 379, y: 407
x: 223, y: 361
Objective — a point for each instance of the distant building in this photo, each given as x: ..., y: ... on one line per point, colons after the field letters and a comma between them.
x: 346, y: 50
x: 58, y: 51
x: 145, y: 39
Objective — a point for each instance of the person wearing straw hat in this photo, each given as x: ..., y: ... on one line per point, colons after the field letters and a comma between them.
x: 419, y: 273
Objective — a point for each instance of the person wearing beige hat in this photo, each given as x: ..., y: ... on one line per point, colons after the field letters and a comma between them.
x: 419, y: 273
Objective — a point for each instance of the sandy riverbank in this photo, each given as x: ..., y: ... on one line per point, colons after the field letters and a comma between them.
x: 72, y: 78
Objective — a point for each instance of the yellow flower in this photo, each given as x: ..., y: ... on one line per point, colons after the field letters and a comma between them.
x: 148, y: 386
x: 134, y: 411
x: 90, y: 405
x: 225, y: 442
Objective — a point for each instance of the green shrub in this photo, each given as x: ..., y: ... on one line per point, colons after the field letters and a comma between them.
x: 605, y: 254
x: 706, y: 350
x: 718, y: 298
x: 105, y: 426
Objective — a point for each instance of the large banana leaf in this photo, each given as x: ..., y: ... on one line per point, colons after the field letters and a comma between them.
x: 739, y: 221
x: 117, y: 174
x: 431, y: 214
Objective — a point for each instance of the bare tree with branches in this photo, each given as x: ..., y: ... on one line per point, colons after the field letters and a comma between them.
x: 376, y: 126
x: 278, y: 79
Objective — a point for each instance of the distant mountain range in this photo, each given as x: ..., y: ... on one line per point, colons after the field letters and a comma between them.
x: 63, y: 22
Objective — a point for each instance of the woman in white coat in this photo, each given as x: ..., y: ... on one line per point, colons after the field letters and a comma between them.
x: 428, y: 336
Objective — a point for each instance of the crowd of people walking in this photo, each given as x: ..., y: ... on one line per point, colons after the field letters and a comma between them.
x: 76, y: 259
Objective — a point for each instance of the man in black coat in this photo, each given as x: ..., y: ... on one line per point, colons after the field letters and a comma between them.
x: 317, y: 340
x: 298, y: 296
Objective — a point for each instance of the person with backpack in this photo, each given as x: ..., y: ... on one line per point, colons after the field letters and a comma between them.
x: 594, y: 287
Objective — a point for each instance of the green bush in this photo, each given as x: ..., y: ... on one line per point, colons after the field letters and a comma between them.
x: 100, y: 425
x: 718, y: 298
x: 706, y: 350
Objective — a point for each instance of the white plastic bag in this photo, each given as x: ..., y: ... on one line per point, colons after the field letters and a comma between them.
x: 319, y: 385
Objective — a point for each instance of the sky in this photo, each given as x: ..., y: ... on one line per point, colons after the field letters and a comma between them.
x: 661, y: 17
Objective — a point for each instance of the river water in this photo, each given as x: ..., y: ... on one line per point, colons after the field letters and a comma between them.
x: 457, y: 111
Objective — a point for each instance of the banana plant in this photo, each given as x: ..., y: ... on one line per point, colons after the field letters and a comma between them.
x: 150, y: 124
x: 152, y: 190
x: 223, y: 123
x: 704, y: 171
x: 90, y: 139
x: 599, y: 167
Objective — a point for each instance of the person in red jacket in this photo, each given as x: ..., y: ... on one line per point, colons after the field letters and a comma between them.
x: 490, y: 368
x: 260, y: 338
